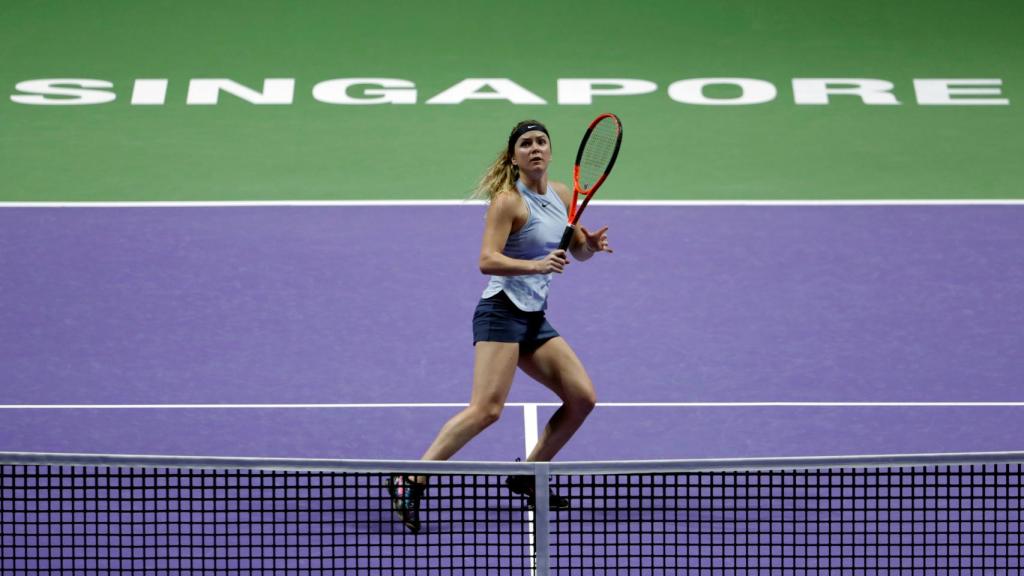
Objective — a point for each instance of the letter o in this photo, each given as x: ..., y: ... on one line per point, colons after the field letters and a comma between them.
x: 691, y: 91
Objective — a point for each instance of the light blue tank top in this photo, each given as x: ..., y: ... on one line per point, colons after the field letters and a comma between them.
x: 535, y: 240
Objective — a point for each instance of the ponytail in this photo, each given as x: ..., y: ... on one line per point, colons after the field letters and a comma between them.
x: 500, y: 177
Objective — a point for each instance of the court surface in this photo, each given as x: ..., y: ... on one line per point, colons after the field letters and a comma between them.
x: 712, y: 331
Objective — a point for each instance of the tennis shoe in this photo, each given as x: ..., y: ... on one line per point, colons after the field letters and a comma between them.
x: 524, y: 486
x: 406, y: 494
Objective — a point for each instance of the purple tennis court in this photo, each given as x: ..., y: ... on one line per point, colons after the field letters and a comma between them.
x: 713, y: 331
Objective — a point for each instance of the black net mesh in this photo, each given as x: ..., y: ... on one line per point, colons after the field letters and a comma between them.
x: 117, y: 520
x: 109, y: 519
x: 919, y: 520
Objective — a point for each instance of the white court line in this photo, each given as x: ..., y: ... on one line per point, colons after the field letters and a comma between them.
x: 395, y: 203
x: 241, y: 203
x: 530, y: 440
x: 529, y: 428
x: 534, y: 405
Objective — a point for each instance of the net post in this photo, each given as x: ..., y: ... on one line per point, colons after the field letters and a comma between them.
x: 541, y: 525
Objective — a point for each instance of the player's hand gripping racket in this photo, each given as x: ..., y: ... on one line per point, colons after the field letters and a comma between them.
x: 594, y: 161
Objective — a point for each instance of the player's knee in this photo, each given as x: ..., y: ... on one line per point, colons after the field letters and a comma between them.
x: 487, y: 414
x: 584, y: 401
x: 588, y: 402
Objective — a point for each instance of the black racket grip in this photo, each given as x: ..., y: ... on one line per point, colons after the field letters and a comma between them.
x: 570, y: 231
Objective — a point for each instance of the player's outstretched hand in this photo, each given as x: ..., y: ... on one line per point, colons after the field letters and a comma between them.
x: 597, y: 241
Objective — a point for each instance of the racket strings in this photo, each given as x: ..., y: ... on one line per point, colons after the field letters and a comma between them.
x: 598, y: 152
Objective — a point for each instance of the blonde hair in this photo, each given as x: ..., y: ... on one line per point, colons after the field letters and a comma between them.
x: 500, y: 177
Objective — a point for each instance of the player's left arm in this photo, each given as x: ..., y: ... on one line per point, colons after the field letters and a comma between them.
x: 584, y: 243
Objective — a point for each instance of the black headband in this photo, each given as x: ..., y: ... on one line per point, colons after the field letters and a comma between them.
x: 523, y: 129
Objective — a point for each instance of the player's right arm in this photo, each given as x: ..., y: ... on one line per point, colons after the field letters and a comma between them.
x: 505, y: 209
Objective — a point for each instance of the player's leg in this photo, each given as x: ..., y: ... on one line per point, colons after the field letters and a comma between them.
x: 493, y: 370
x: 555, y: 365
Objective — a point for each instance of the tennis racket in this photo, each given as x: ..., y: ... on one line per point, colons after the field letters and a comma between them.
x: 594, y: 161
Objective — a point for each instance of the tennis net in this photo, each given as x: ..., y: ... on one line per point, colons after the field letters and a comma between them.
x: 910, y: 514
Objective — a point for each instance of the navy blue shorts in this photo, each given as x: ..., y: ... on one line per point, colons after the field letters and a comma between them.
x: 497, y: 319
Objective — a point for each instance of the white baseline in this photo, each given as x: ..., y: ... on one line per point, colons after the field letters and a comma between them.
x: 293, y: 406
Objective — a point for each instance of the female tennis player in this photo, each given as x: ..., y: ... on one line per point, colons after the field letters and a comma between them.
x: 525, y: 220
